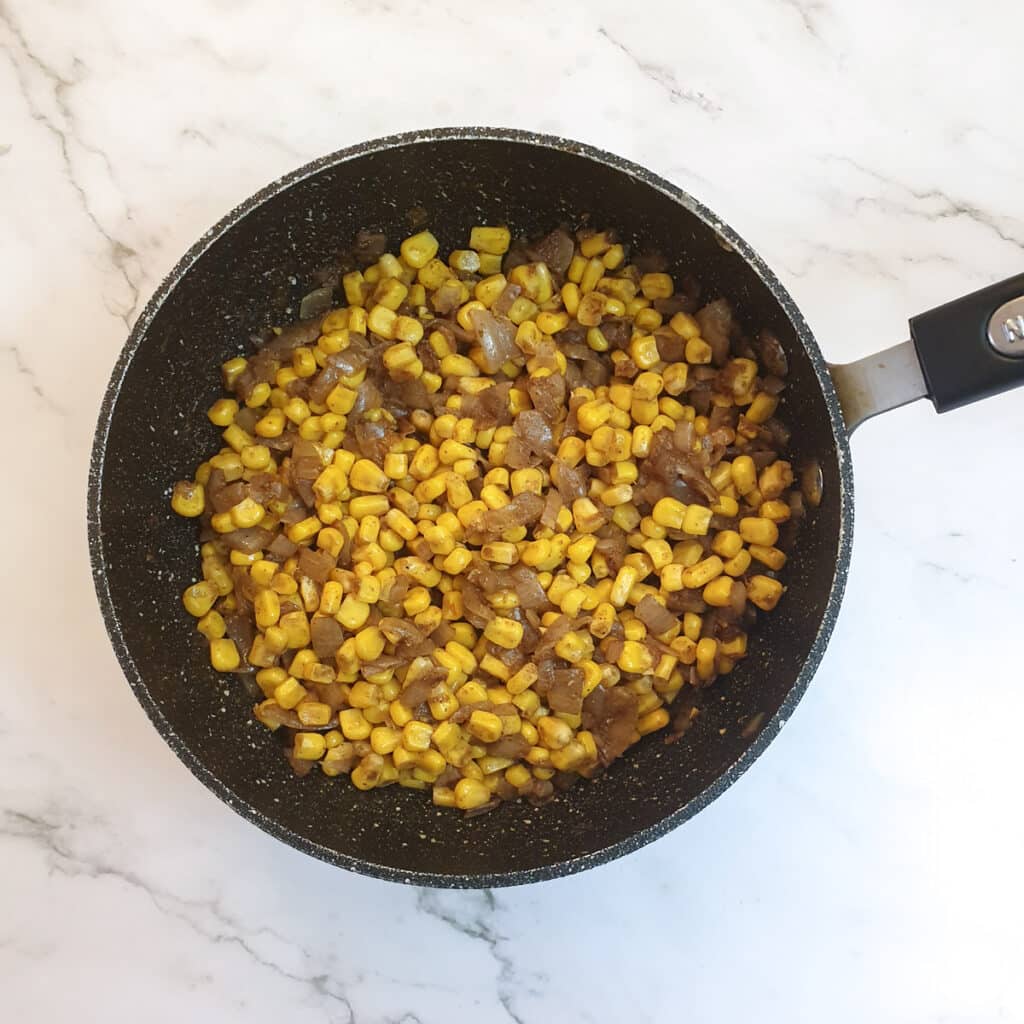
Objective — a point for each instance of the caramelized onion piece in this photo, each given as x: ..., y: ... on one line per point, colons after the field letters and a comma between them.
x: 716, y: 326
x: 496, y: 337
x: 654, y: 615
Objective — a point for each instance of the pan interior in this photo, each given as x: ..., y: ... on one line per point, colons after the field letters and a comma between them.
x: 251, y: 275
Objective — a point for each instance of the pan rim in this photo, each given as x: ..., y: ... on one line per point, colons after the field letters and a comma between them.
x: 556, y: 869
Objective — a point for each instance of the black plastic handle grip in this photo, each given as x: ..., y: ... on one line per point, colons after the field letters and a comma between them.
x: 956, y: 345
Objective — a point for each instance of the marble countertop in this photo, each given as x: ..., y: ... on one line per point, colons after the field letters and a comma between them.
x: 867, y: 867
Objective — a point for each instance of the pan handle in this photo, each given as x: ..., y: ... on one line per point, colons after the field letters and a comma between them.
x: 961, y: 352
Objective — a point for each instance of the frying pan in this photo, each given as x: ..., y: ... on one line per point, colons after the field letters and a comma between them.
x: 249, y: 272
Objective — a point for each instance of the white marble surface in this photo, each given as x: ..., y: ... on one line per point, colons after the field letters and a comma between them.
x: 868, y: 867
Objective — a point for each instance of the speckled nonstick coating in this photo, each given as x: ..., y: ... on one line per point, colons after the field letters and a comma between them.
x: 247, y: 272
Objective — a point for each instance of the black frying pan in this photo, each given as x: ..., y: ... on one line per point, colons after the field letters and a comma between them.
x: 250, y: 270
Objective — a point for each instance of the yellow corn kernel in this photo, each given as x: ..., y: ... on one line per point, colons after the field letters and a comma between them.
x: 451, y: 451
x: 527, y: 481
x: 769, y: 556
x: 702, y: 573
x: 776, y: 511
x: 269, y: 679
x: 488, y: 290
x: 457, y: 561
x: 401, y: 524
x: 585, y: 516
x: 188, y: 499
x: 635, y: 657
x: 571, y: 297
x: 289, y: 693
x: 707, y: 648
x: 485, y: 726
x: 384, y: 740
x: 267, y: 606
x: 369, y: 643
x: 775, y: 479
x: 581, y: 549
x: 368, y: 529
x: 698, y: 352
x: 495, y: 240
x: 640, y: 445
x: 400, y: 360
x: 501, y: 552
x: 552, y: 323
x: 696, y: 520
x: 459, y: 366
x: 198, y: 599
x: 247, y: 513
x: 643, y: 351
x: 523, y: 679
x: 764, y: 592
x: 554, y: 733
x: 222, y: 522
x: 592, y: 273
x: 381, y: 320
x: 738, y: 563
x: 755, y: 530
x: 352, y: 284
x: 276, y: 640
x: 211, y: 625
x: 416, y: 601
x: 464, y: 317
x: 625, y: 580
x: 464, y: 261
x: 574, y: 647
x: 314, y: 713
x: 518, y: 775
x: 762, y: 408
x: 652, y: 721
x: 431, y: 763
x: 403, y: 758
x: 504, y: 632
x: 670, y: 513
x: 368, y: 773
x: 744, y: 474
x: 647, y: 320
x: 718, y: 592
x: 353, y: 613
x: 592, y: 415
x: 224, y: 655
x: 613, y: 258
x: 617, y: 495
x: 368, y: 505
x: 495, y: 667
x: 471, y: 793
x: 368, y: 476
x: 419, y: 249
x: 232, y: 369
x: 656, y: 286
x: 303, y: 361
x: 222, y: 412
x: 602, y: 620
x: 354, y: 725
x: 416, y: 736
x: 309, y: 746
x: 303, y: 530
x: 647, y: 386
x: 727, y: 543
x: 330, y: 598
x: 390, y: 293
x: 572, y: 450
